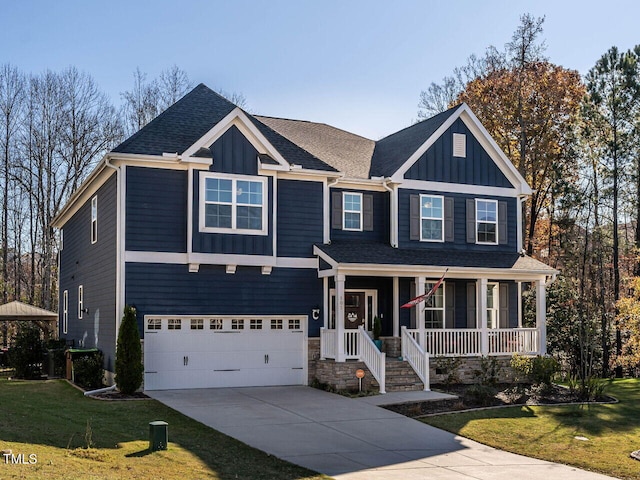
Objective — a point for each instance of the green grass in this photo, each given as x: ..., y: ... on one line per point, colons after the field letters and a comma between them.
x: 74, y: 437
x: 549, y: 432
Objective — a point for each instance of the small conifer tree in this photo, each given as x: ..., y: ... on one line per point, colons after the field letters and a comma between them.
x: 129, y: 367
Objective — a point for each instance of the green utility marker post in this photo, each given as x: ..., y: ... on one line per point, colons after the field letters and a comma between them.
x: 158, y: 435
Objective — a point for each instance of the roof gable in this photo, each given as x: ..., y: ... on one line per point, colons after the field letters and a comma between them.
x: 180, y: 125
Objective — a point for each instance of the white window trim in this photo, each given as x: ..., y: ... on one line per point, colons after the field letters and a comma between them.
x: 345, y: 211
x: 65, y: 311
x: 428, y: 285
x: 80, y: 301
x: 94, y: 219
x: 233, y: 230
x: 495, y: 202
x: 422, y: 239
x: 496, y: 305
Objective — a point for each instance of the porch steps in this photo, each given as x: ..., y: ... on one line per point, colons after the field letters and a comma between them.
x: 400, y: 377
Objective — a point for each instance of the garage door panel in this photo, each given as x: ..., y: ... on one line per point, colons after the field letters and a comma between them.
x: 205, y: 358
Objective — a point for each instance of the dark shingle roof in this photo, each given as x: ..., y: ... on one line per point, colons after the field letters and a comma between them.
x: 180, y: 125
x: 392, y: 151
x: 291, y: 152
x: 345, y: 151
x: 384, y: 254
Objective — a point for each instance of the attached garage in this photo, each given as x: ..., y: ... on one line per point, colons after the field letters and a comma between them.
x: 224, y: 351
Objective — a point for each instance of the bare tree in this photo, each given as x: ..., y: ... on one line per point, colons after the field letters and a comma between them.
x: 173, y: 84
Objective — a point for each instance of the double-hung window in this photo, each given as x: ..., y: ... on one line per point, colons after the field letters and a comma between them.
x: 65, y: 311
x: 80, y: 301
x: 352, y: 211
x: 431, y: 218
x: 487, y: 221
x: 233, y: 204
x: 434, y: 306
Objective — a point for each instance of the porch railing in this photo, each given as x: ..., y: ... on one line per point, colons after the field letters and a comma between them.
x: 374, y: 359
x: 329, y: 344
x: 416, y: 356
x: 468, y: 342
x: 509, y: 341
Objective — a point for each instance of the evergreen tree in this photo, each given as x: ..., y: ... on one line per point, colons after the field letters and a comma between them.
x: 129, y: 367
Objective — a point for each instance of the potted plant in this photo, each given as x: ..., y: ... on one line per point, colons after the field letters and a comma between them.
x: 377, y: 330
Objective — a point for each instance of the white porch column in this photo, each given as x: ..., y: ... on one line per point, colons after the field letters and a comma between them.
x: 519, y: 304
x: 420, y: 281
x: 396, y: 307
x: 541, y: 315
x: 325, y: 302
x: 482, y: 315
x: 340, y: 356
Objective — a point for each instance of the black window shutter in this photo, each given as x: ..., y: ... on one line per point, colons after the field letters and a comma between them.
x: 471, y: 220
x: 448, y: 219
x: 336, y: 210
x: 367, y: 212
x: 504, y: 305
x: 414, y: 217
x: 450, y: 305
x: 502, y: 223
x: 471, y: 305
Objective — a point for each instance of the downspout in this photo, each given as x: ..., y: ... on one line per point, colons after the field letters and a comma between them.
x: 327, y: 204
x: 393, y: 212
x: 119, y: 253
x: 100, y: 390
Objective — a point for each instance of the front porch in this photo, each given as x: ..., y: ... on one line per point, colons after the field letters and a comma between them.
x: 477, y: 311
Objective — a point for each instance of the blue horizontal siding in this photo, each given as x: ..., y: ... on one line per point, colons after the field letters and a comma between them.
x: 460, y: 227
x: 438, y: 164
x: 156, y: 206
x: 380, y: 232
x: 163, y: 289
x: 94, y: 267
x: 300, y: 217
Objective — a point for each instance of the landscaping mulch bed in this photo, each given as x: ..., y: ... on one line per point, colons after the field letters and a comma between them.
x: 480, y: 396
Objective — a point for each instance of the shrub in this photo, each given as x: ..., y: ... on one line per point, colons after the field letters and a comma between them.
x: 588, y: 389
x: 538, y: 369
x: 449, y: 368
x: 88, y: 371
x: 27, y: 352
x: 129, y: 369
x: 489, y: 371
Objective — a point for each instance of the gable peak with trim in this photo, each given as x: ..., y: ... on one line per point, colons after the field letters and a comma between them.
x: 184, y: 127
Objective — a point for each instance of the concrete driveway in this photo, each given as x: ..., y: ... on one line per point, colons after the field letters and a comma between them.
x: 352, y: 439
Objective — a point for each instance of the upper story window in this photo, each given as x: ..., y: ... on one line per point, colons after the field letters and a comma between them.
x: 233, y: 204
x: 65, y: 311
x: 431, y: 218
x: 94, y: 219
x: 80, y: 301
x: 352, y: 211
x: 487, y: 221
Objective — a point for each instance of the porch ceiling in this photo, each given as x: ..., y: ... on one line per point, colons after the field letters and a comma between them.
x: 367, y: 258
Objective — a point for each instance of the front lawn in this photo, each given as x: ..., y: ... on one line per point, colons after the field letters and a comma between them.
x: 549, y: 432
x: 54, y: 432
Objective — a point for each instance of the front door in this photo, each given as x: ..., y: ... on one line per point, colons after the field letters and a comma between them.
x: 354, y: 309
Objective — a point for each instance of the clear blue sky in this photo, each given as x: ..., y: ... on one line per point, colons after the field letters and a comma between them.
x: 357, y: 65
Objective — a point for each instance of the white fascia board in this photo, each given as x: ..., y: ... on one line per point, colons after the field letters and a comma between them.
x: 311, y: 175
x: 494, y: 151
x: 445, y: 188
x: 376, y: 185
x: 219, y: 259
x: 239, y: 119
x: 354, y: 269
x: 87, y: 189
x: 325, y: 257
x: 398, y: 176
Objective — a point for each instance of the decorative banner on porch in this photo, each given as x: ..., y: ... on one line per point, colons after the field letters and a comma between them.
x: 423, y: 297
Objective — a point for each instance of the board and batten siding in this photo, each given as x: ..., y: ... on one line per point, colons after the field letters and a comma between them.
x: 166, y: 289
x: 94, y: 267
x: 459, y: 223
x: 380, y: 229
x: 233, y: 153
x: 156, y: 210
x: 300, y: 217
x: 438, y: 164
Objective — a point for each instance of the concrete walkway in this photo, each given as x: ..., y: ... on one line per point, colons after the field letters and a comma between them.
x: 351, y: 439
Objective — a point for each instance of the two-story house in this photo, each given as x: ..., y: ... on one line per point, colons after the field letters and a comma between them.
x: 259, y: 250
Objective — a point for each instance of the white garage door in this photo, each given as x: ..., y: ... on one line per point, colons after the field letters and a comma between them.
x: 224, y: 351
